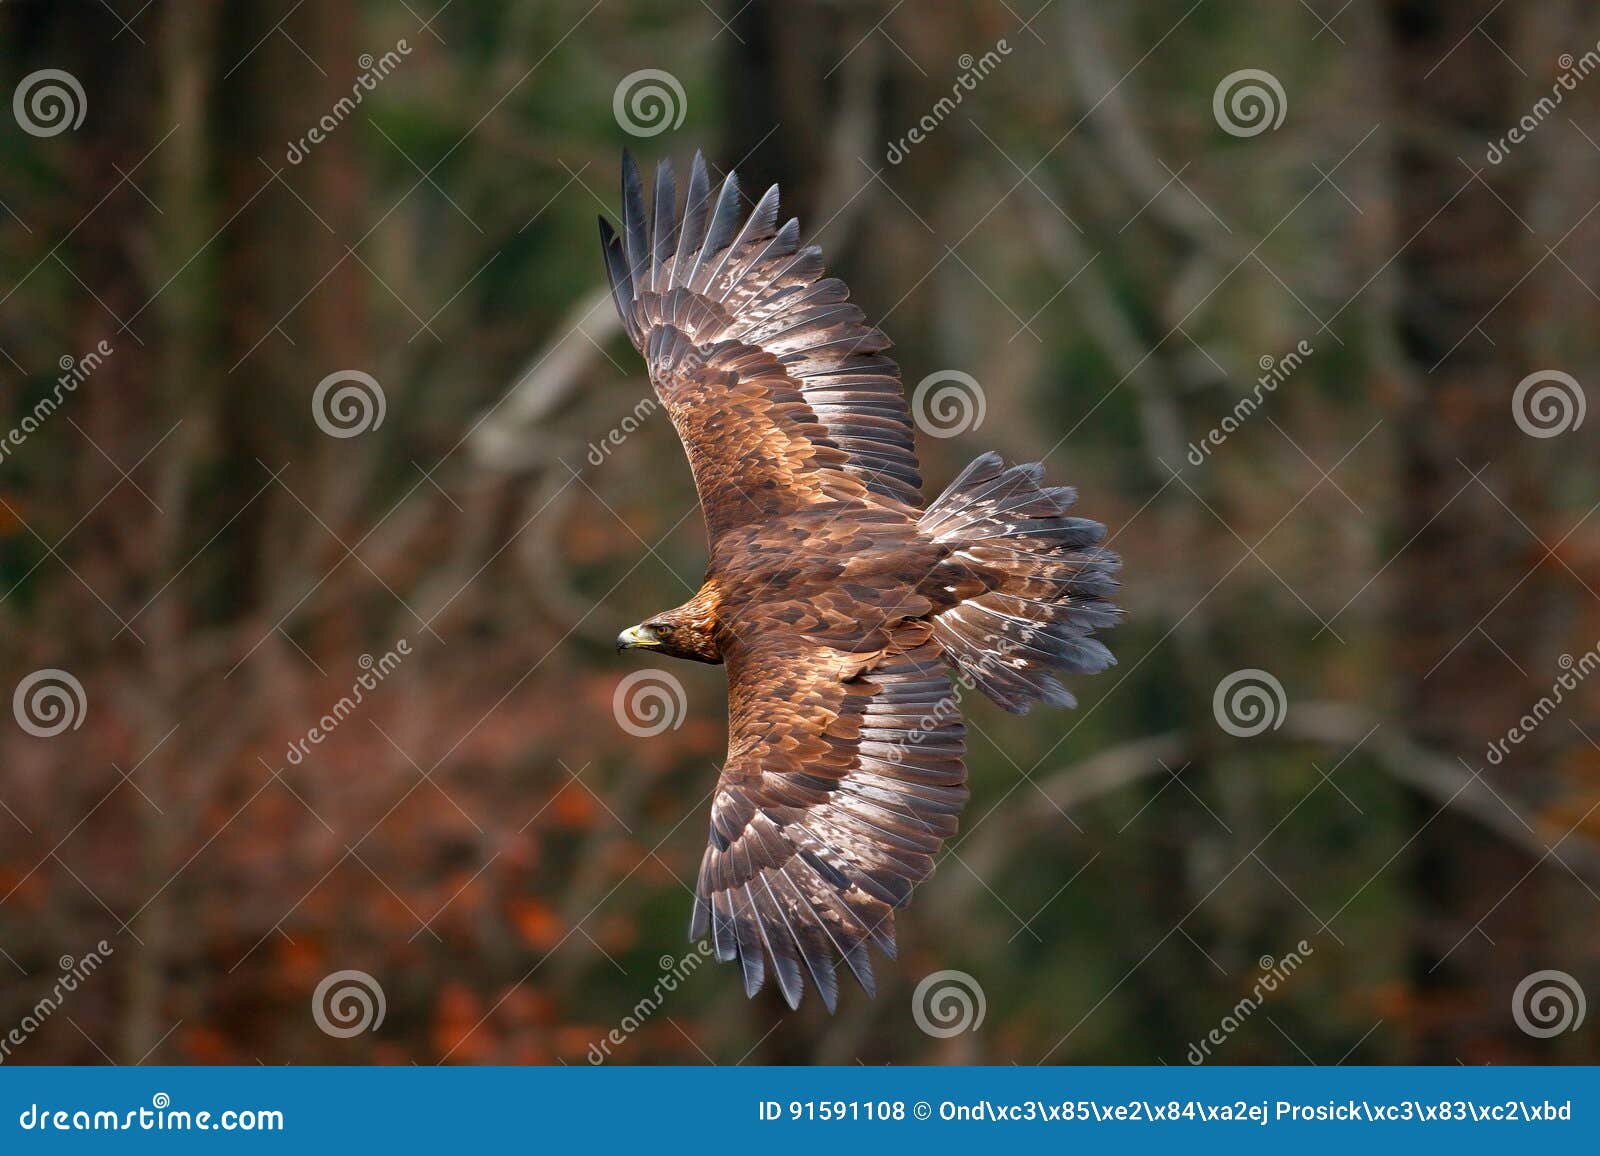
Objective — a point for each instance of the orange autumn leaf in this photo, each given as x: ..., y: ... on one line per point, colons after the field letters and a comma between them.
x: 574, y: 807
x: 205, y: 1046
x: 303, y: 960
x: 9, y: 521
x: 573, y: 1040
x: 537, y: 923
x: 456, y: 1030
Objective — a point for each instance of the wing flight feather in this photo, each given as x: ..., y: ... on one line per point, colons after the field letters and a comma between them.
x: 834, y: 800
x: 719, y: 277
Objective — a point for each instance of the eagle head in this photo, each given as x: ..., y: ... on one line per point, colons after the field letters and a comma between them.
x: 675, y: 634
x: 687, y: 631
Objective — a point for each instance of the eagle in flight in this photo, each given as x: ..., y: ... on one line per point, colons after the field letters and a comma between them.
x: 840, y: 603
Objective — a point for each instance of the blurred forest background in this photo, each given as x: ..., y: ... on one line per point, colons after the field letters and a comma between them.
x: 1092, y: 232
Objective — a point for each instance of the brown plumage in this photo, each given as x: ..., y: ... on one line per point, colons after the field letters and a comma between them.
x: 838, y: 603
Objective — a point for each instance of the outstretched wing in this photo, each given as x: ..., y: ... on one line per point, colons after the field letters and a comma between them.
x: 782, y: 396
x: 834, y: 800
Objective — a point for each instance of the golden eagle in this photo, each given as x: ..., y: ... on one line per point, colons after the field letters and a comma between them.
x: 840, y: 604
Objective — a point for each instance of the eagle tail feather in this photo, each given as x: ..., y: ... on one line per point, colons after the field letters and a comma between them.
x: 1048, y: 583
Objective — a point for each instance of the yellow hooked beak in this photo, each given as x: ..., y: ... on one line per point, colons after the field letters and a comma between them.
x: 636, y: 638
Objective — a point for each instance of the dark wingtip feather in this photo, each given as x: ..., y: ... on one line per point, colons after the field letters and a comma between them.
x: 827, y: 983
x: 664, y: 233
x: 634, y: 230
x: 724, y: 217
x: 861, y: 966
x: 791, y: 987
x: 746, y: 928
x: 767, y: 206
x: 695, y: 208
x: 812, y: 938
x: 779, y: 941
x: 881, y: 932
x: 617, y: 274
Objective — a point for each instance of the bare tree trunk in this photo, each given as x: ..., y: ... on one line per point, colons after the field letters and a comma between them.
x: 1467, y: 612
x: 119, y: 416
